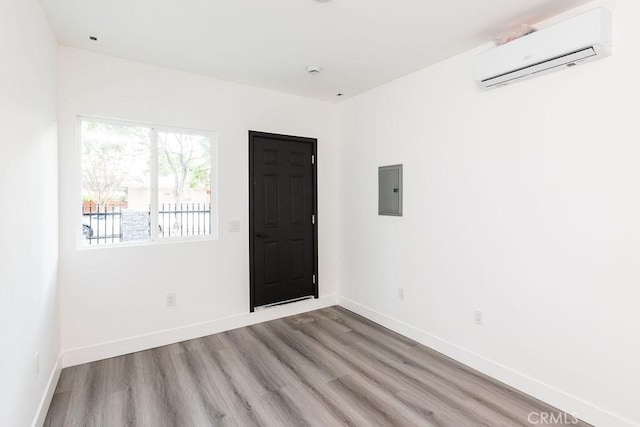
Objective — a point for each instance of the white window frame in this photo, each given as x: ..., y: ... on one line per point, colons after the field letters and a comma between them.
x: 154, y: 196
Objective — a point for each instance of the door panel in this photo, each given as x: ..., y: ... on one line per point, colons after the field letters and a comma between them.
x: 271, y: 196
x: 283, y: 236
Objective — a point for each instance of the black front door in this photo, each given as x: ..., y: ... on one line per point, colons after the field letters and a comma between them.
x: 282, y: 218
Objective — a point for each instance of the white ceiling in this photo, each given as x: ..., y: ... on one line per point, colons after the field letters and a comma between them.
x: 360, y: 44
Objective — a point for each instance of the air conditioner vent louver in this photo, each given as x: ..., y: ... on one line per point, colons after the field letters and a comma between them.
x: 578, y: 40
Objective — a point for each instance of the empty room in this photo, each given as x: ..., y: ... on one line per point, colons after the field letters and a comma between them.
x: 319, y: 213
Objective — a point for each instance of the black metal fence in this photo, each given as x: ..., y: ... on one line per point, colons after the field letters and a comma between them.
x: 102, y: 224
x: 184, y: 219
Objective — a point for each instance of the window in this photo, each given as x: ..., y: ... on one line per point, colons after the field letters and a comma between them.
x: 143, y: 183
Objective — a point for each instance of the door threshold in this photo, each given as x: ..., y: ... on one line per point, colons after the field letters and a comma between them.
x: 275, y: 304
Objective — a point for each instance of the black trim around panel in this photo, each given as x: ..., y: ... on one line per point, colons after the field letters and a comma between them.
x: 314, y: 143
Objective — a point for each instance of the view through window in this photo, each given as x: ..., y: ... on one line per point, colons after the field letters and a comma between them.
x: 143, y: 183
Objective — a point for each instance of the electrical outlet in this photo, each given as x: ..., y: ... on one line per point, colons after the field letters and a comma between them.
x: 171, y: 299
x: 477, y: 317
x: 233, y: 226
x: 36, y: 363
x: 401, y: 294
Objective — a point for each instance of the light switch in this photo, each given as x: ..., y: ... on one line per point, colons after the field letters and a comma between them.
x: 233, y: 226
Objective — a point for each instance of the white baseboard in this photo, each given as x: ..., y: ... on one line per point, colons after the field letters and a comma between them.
x: 45, y: 402
x: 544, y: 392
x: 80, y: 355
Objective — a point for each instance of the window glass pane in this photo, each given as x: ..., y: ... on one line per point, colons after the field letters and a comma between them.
x: 116, y: 190
x: 184, y: 184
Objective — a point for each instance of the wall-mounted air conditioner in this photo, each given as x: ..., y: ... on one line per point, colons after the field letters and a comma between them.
x: 578, y: 40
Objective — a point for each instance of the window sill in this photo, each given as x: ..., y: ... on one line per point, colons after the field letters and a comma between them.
x: 160, y: 242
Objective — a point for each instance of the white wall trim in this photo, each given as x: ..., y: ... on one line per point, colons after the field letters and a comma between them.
x: 80, y: 355
x: 544, y: 392
x: 551, y: 395
x: 45, y: 402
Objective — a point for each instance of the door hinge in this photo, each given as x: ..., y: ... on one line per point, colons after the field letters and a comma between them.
x: 313, y: 219
x: 314, y: 279
x: 313, y: 159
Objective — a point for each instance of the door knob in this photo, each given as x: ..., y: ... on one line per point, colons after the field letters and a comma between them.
x: 261, y: 236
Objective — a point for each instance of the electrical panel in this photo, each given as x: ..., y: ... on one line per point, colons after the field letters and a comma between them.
x: 390, y: 190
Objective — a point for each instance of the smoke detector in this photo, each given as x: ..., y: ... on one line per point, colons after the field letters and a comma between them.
x: 313, y: 70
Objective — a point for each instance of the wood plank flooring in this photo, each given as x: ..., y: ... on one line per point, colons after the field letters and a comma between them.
x: 329, y: 367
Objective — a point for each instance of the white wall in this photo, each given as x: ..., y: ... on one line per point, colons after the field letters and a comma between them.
x: 117, y: 293
x: 521, y: 202
x: 29, y: 212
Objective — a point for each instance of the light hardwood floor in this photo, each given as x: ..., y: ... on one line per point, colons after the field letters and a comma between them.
x: 325, y: 368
